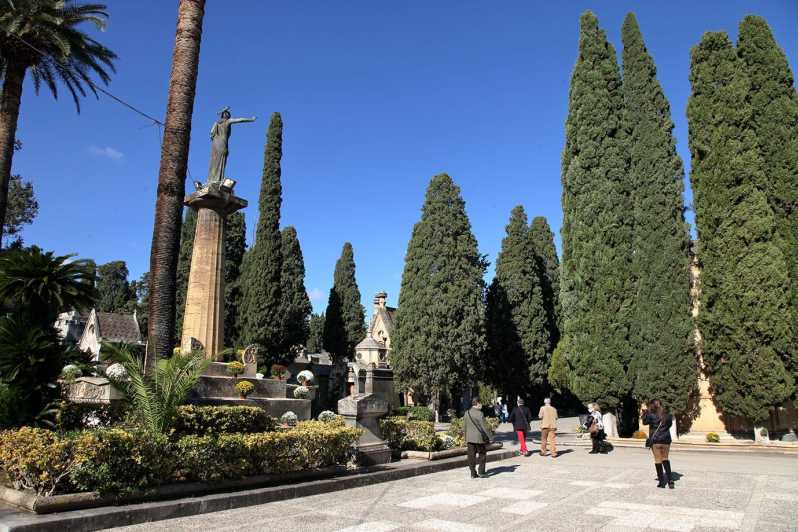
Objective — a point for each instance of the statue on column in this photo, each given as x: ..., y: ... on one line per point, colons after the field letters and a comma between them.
x: 220, y: 136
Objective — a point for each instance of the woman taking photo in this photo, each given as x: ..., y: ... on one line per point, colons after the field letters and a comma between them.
x: 659, y: 423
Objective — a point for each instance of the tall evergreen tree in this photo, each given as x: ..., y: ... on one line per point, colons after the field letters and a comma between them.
x: 549, y: 264
x: 235, y: 243
x: 260, y: 299
x: 315, y: 334
x: 344, y: 323
x: 296, y: 307
x: 774, y: 119
x: 187, y: 231
x: 597, y: 227
x: 664, y: 363
x: 113, y: 287
x: 517, y: 324
x: 744, y: 315
x: 439, y: 339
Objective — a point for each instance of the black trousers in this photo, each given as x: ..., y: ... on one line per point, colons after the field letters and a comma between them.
x: 596, y: 441
x: 473, y: 448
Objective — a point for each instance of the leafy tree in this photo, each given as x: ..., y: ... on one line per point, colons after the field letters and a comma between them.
x: 774, y: 119
x: 597, y: 226
x: 22, y: 206
x: 171, y: 180
x: 517, y: 323
x: 187, y: 231
x: 261, y: 321
x: 664, y: 363
x: 235, y: 243
x: 142, y: 298
x: 113, y: 287
x: 744, y: 316
x: 315, y: 334
x: 439, y: 339
x: 344, y: 322
x: 296, y: 307
x: 549, y: 265
x: 43, y: 37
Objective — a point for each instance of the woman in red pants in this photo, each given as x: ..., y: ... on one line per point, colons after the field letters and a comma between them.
x: 520, y: 417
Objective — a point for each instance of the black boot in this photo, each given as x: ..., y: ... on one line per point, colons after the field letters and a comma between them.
x: 660, y: 475
x: 666, y: 464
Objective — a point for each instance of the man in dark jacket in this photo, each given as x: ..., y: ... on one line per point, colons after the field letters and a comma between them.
x: 520, y: 417
x: 477, y: 435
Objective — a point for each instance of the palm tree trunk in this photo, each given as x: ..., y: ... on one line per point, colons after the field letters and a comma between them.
x: 171, y: 179
x: 9, y: 113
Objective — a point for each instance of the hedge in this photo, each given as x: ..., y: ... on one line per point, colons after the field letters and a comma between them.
x: 457, y: 430
x: 402, y: 434
x: 118, y: 460
x: 205, y: 420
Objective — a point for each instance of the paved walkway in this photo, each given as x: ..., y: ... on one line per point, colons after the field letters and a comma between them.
x: 715, y: 492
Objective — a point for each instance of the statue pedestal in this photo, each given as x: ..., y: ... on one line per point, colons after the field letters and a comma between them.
x: 363, y: 411
x: 203, y: 321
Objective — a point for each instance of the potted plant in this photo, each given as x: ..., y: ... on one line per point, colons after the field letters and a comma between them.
x: 279, y: 372
x: 244, y: 388
x: 301, y: 392
x: 305, y: 377
x: 235, y: 368
x: 289, y: 419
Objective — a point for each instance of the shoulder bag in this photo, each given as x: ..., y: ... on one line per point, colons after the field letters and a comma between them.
x: 649, y: 440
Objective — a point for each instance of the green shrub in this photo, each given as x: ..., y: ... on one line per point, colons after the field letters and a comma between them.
x: 400, y: 411
x: 289, y: 418
x: 457, y: 431
x: 421, y: 413
x: 76, y: 416
x: 120, y: 461
x: 203, y: 420
x: 712, y: 437
x: 209, y: 458
x: 408, y: 435
x: 36, y: 459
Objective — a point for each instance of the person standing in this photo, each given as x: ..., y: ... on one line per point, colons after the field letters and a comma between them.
x: 505, y: 414
x: 520, y: 417
x: 548, y: 428
x: 659, y: 439
x: 595, y: 426
x: 477, y: 436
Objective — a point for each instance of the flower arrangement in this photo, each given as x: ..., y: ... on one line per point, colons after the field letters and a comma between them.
x: 305, y: 377
x: 289, y: 418
x: 70, y: 372
x: 445, y: 441
x: 235, y: 368
x: 117, y: 373
x: 639, y: 435
x: 301, y: 392
x: 327, y: 416
x: 713, y: 437
x: 176, y: 351
x: 279, y: 372
x: 244, y: 388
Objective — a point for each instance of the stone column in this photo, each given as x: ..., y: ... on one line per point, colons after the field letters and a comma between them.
x: 203, y: 320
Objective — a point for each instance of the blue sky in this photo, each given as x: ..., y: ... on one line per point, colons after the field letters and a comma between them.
x: 376, y: 97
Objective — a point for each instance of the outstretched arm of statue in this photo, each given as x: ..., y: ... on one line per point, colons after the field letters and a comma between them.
x: 239, y: 120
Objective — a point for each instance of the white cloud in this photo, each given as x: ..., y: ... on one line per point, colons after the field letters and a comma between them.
x: 316, y: 294
x: 107, y: 152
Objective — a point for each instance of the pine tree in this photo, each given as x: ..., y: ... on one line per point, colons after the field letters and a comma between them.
x: 439, y: 339
x: 235, y: 243
x: 775, y: 122
x: 296, y: 307
x: 113, y: 287
x: 596, y: 234
x: 517, y: 324
x: 315, y: 334
x: 344, y: 323
x: 664, y: 363
x: 260, y: 299
x: 549, y: 264
x: 187, y: 231
x: 744, y: 317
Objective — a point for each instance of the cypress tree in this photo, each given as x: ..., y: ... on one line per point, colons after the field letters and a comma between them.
x: 517, y: 323
x: 664, y: 363
x: 549, y: 265
x: 113, y: 288
x: 187, y: 231
x: 344, y: 323
x: 744, y: 316
x: 261, y: 321
x: 439, y: 339
x: 235, y: 243
x: 774, y: 119
x: 295, y: 301
x: 596, y: 233
x: 315, y: 334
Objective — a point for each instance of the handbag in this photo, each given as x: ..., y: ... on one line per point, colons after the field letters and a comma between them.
x: 648, y: 440
x: 485, y: 437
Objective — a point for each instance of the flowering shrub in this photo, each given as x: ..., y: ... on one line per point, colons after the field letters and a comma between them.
x: 457, y: 430
x: 446, y: 441
x: 407, y: 435
x: 301, y: 392
x: 235, y: 368
x: 70, y: 372
x: 304, y: 377
x: 36, y: 459
x: 327, y: 416
x: 117, y: 373
x: 289, y: 418
x: 204, y: 420
x: 712, y: 437
x: 244, y: 387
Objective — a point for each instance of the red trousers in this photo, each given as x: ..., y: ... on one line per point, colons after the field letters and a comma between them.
x: 521, y: 435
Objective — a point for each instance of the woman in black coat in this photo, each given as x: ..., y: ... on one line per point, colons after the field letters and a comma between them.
x: 659, y: 423
x: 520, y: 417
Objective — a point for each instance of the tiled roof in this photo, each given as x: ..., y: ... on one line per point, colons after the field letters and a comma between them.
x: 118, y: 328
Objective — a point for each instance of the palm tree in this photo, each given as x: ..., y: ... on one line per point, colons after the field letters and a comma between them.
x: 171, y: 180
x: 156, y: 397
x: 41, y: 36
x: 40, y: 285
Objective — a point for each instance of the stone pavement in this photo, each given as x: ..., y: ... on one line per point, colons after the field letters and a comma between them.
x: 715, y: 492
